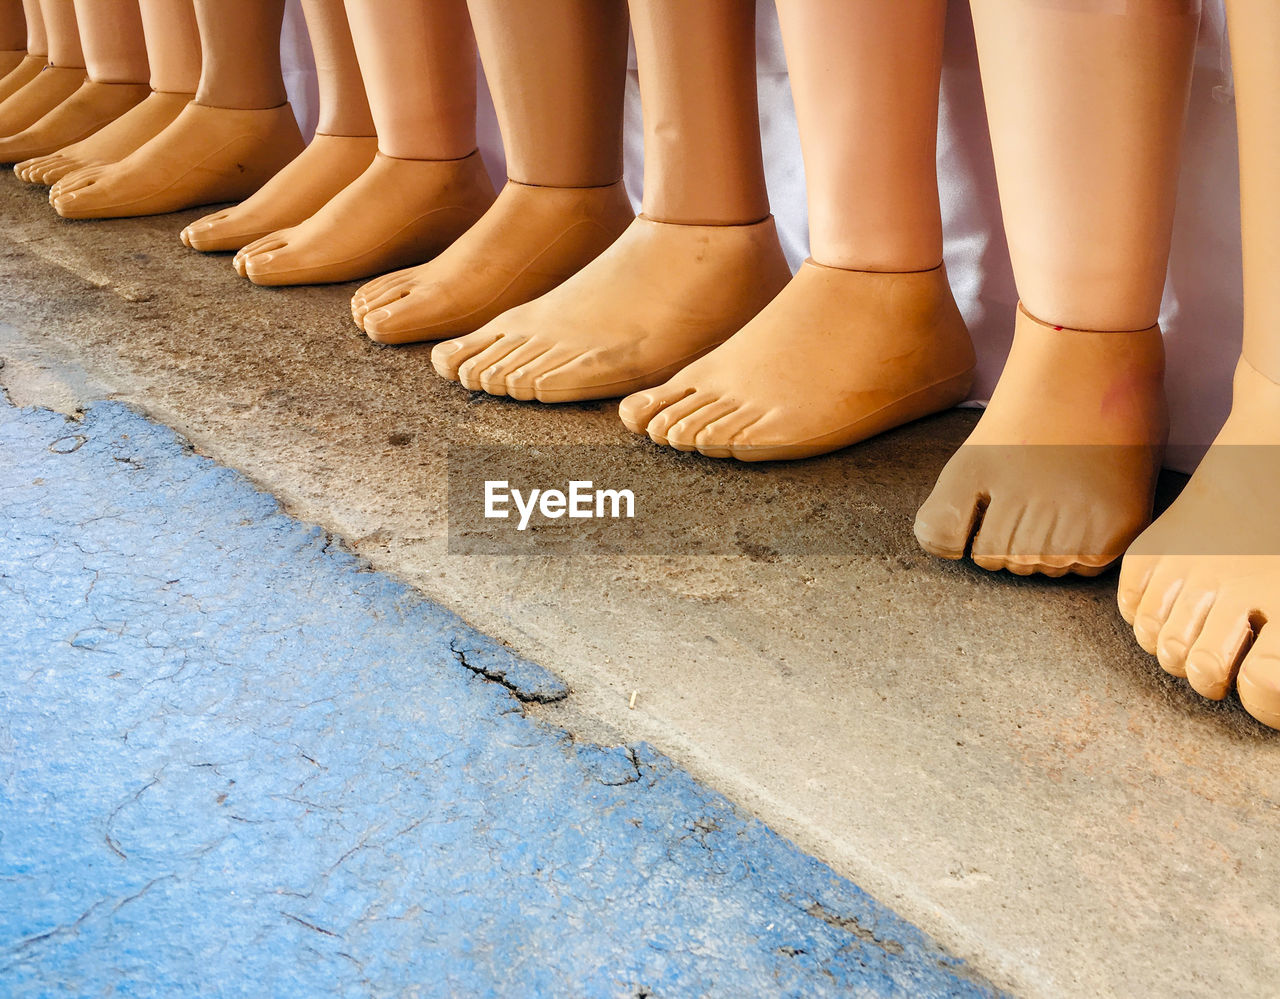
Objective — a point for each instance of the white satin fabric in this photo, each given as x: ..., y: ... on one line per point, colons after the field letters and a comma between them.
x: 1202, y: 312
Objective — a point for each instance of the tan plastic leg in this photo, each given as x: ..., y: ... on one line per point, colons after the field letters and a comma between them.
x: 867, y: 336
x: 427, y: 184
x: 1201, y: 587
x: 557, y: 70
x: 343, y: 148
x: 116, y: 61
x: 13, y: 36
x: 211, y: 152
x: 173, y: 54
x: 55, y: 80
x: 1086, y: 103
x: 703, y: 258
x: 37, y: 37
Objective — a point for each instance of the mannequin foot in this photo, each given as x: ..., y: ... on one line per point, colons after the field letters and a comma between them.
x: 113, y: 142
x: 86, y: 111
x: 1059, y: 474
x: 531, y: 240
x: 1201, y: 586
x: 206, y: 155
x: 49, y: 88
x: 396, y: 213
x: 10, y: 60
x: 27, y: 69
x: 660, y: 296
x: 297, y: 192
x: 837, y: 357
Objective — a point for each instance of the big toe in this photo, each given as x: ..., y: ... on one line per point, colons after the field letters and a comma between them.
x: 449, y: 357
x: 1259, y: 681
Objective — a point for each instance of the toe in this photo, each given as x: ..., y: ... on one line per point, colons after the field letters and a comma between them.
x: 449, y: 356
x: 669, y: 416
x: 1136, y: 572
x: 470, y: 370
x: 511, y: 374
x: 683, y: 435
x: 716, y: 438
x: 1157, y: 602
x: 1216, y: 654
x: 639, y: 408
x: 1182, y: 627
x: 947, y: 521
x: 1259, y: 681
x: 993, y: 539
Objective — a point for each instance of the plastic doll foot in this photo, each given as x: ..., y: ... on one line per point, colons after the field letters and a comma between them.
x: 86, y: 111
x: 297, y: 192
x: 660, y: 296
x: 837, y: 357
x: 49, y: 88
x: 1059, y: 474
x: 206, y: 155
x: 113, y: 142
x: 24, y: 72
x: 1201, y: 586
x: 397, y: 212
x: 531, y: 240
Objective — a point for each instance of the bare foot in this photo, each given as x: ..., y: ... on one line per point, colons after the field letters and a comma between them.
x: 1202, y: 583
x: 325, y: 167
x: 207, y: 155
x: 396, y: 213
x: 91, y: 107
x: 111, y: 143
x: 35, y: 99
x: 660, y: 296
x: 528, y: 242
x: 837, y: 357
x: 1059, y: 474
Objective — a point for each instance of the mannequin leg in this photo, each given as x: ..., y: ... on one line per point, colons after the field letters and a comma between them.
x: 115, y: 58
x: 702, y: 259
x: 426, y: 185
x: 344, y: 145
x: 1086, y: 103
x: 237, y: 133
x: 557, y: 71
x: 172, y: 49
x: 1202, y: 583
x: 867, y: 336
x: 36, y: 50
x: 13, y: 37
x: 56, y: 81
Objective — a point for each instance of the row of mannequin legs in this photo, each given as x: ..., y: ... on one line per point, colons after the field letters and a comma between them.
x: 551, y: 289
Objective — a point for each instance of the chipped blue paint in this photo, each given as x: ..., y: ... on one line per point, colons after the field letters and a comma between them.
x: 236, y: 762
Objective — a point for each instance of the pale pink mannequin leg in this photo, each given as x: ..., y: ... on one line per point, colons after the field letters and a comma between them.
x: 1201, y: 586
x: 55, y: 82
x: 867, y: 336
x: 702, y: 259
x: 343, y: 147
x: 115, y: 58
x: 1086, y: 103
x: 173, y: 55
x: 427, y: 183
x: 557, y: 69
x: 223, y: 146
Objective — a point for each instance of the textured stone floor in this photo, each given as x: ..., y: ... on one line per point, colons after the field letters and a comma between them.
x: 992, y: 757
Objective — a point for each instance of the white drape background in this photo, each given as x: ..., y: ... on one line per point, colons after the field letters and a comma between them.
x: 1201, y: 314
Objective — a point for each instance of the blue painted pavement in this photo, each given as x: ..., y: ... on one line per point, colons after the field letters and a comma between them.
x: 236, y: 762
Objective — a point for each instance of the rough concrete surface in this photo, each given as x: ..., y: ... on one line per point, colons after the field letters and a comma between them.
x: 992, y: 757
x: 237, y: 761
